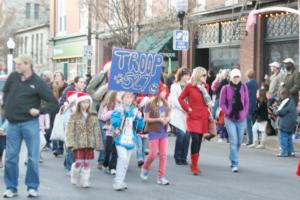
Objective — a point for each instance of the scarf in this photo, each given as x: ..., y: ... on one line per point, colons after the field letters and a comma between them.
x: 205, y: 95
x: 237, y: 105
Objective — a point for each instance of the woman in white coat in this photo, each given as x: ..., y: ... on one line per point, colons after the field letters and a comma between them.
x: 178, y: 118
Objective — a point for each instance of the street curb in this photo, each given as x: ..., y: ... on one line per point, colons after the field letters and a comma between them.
x: 272, y: 144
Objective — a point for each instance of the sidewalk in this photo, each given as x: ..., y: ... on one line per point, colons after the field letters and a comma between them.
x: 272, y: 144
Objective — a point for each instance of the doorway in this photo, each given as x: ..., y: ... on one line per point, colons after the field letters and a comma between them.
x: 202, y: 58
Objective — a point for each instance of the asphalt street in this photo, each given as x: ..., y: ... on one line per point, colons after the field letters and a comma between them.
x: 262, y: 176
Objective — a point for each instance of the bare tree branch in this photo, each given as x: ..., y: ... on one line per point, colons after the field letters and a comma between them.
x: 125, y: 17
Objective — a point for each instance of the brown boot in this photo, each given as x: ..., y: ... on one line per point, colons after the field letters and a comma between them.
x: 194, y: 166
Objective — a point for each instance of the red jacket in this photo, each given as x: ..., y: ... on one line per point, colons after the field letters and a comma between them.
x: 198, y: 119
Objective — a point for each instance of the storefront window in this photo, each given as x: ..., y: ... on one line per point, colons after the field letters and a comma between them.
x: 279, y: 51
x: 223, y: 58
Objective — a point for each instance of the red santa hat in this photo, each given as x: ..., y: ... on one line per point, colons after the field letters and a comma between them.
x: 142, y: 101
x: 71, y: 96
x: 82, y: 96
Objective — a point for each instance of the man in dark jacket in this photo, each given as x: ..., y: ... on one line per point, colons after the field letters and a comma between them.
x: 291, y: 80
x: 252, y: 89
x: 23, y: 93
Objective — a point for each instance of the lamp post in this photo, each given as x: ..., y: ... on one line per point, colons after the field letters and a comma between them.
x: 181, y: 7
x: 10, y: 45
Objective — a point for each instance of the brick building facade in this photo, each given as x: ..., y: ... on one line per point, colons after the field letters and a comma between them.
x: 219, y: 39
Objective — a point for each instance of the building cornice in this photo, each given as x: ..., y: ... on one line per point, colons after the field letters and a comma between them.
x: 213, y: 15
x: 32, y: 28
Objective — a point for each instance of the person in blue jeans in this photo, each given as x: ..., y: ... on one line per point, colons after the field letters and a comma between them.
x: 252, y: 86
x: 178, y: 117
x: 234, y: 102
x: 287, y: 114
x: 23, y: 92
x: 142, y: 144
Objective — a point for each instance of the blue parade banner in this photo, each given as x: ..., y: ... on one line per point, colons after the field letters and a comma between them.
x: 136, y: 72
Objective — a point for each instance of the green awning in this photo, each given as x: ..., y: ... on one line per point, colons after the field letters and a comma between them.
x: 154, y: 41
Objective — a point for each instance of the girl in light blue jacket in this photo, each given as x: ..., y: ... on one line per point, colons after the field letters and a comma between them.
x: 125, y: 120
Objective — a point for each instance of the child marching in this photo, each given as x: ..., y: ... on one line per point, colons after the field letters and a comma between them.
x: 125, y: 120
x: 157, y: 117
x: 82, y: 136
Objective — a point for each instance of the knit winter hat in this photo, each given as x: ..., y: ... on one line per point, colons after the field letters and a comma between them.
x: 234, y: 73
x: 82, y: 96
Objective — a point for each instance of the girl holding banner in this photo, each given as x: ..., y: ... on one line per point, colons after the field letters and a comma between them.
x: 195, y: 101
x: 125, y: 121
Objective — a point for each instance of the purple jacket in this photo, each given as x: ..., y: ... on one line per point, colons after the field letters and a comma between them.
x: 226, y: 99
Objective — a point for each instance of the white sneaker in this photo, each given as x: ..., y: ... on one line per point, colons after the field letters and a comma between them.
x: 119, y: 186
x: 144, y: 174
x: 113, y: 172
x: 32, y: 193
x: 9, y: 194
x: 163, y: 181
x: 235, y: 169
x: 220, y: 140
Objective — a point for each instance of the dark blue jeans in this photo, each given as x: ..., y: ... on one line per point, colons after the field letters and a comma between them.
x: 181, y: 145
x: 69, y: 159
x: 58, y: 146
x: 249, y: 128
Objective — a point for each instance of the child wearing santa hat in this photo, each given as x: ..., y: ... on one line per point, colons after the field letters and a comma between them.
x: 157, y: 118
x: 82, y: 137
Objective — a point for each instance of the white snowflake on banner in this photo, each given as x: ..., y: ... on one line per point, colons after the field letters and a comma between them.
x: 119, y: 79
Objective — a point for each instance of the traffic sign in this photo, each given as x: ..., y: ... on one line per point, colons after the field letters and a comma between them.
x: 180, y: 40
x: 88, y: 51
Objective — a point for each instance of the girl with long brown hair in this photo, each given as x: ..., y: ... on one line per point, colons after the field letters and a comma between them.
x: 82, y: 137
x: 157, y: 118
